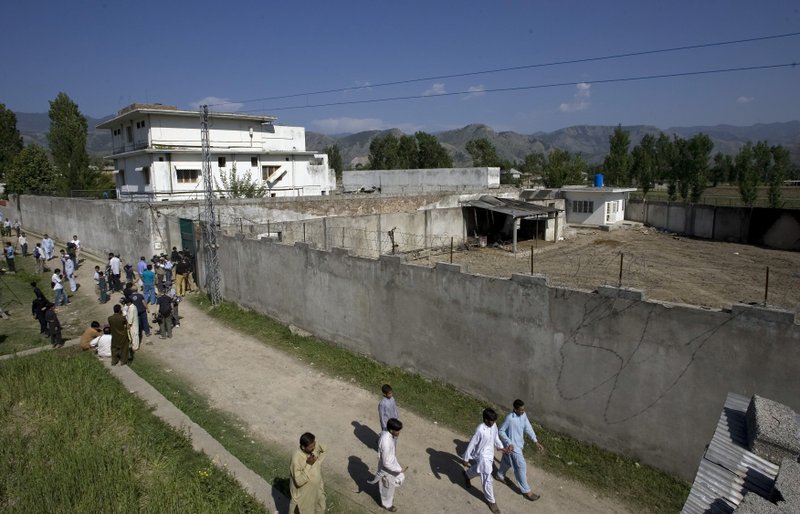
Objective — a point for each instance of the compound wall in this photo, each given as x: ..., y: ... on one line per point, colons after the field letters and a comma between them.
x: 641, y: 378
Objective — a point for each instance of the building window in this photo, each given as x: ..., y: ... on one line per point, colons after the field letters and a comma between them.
x: 254, y: 162
x: 221, y: 162
x: 267, y: 171
x: 146, y: 175
x: 122, y: 177
x: 185, y: 176
x: 160, y: 159
x: 583, y: 206
x: 142, y: 123
x: 129, y: 133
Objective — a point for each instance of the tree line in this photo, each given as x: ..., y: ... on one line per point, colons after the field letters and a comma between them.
x: 685, y: 166
x: 66, y: 168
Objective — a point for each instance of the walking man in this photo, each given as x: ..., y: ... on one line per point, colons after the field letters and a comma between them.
x: 119, y: 337
x: 390, y: 474
x: 10, y: 258
x: 512, y: 433
x: 61, y: 297
x: 481, y: 451
x: 49, y: 246
x: 113, y: 280
x: 38, y: 256
x: 165, y: 315
x: 306, y: 486
x: 22, y: 241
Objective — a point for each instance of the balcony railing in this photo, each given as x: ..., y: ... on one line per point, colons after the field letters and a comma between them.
x: 130, y: 147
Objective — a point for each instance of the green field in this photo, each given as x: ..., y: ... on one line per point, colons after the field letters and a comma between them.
x: 72, y: 439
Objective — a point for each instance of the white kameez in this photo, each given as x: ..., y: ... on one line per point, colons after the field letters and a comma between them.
x: 390, y: 474
x: 133, y: 326
x: 481, y: 450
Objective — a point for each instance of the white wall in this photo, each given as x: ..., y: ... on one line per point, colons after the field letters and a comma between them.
x: 598, y: 215
x: 422, y: 180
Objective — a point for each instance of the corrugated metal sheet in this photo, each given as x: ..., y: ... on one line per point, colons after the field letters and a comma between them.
x: 728, y: 469
x: 510, y: 207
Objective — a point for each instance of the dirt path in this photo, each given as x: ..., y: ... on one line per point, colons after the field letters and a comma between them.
x: 279, y: 397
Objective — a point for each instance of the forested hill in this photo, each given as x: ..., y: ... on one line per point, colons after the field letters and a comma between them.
x: 591, y: 141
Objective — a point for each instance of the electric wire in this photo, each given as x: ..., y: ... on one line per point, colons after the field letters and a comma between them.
x: 534, y: 86
x: 520, y: 67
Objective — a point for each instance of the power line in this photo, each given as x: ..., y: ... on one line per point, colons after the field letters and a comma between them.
x: 517, y: 68
x: 535, y: 86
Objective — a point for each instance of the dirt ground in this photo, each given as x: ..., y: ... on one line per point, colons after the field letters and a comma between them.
x: 278, y: 397
x: 667, y: 267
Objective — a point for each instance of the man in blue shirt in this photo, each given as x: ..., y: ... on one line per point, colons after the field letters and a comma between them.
x: 149, y: 285
x: 10, y: 258
x: 512, y: 432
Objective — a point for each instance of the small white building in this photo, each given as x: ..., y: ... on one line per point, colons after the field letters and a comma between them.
x: 157, y: 154
x: 595, y: 205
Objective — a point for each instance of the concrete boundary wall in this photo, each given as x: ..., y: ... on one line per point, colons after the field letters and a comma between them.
x: 637, y: 377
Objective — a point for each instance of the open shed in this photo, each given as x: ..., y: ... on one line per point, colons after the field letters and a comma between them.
x: 503, y: 220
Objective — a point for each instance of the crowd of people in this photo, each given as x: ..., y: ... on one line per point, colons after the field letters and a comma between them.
x: 307, y: 489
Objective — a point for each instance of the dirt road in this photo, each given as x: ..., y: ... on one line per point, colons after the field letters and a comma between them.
x: 279, y: 397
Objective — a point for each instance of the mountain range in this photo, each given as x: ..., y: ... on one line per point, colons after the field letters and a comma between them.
x: 591, y: 141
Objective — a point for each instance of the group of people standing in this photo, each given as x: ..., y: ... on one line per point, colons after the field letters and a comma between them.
x: 306, y: 484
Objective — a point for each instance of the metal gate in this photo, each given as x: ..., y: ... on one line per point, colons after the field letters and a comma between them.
x: 188, y: 241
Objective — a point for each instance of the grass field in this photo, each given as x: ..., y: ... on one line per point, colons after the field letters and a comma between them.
x: 72, y: 439
x: 728, y: 196
x: 641, y: 487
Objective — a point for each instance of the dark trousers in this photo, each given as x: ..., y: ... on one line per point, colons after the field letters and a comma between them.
x: 42, y: 322
x: 144, y: 325
x: 120, y: 350
x: 115, y: 283
x: 10, y: 263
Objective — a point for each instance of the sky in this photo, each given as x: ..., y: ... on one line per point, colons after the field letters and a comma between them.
x: 273, y: 58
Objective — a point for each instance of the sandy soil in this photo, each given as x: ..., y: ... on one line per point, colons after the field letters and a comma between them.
x: 666, y: 266
x: 278, y: 397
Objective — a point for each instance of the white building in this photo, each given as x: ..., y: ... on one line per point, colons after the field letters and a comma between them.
x: 595, y: 205
x: 157, y: 154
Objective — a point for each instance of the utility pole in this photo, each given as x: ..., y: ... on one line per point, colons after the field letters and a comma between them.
x: 210, y: 226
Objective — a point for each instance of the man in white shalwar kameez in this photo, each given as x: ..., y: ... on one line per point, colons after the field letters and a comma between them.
x: 390, y: 474
x: 481, y: 451
x: 132, y: 315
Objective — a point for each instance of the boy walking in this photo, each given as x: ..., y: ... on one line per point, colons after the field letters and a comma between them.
x: 481, y: 451
x: 387, y: 408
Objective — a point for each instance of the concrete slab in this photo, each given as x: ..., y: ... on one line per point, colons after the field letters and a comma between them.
x: 755, y: 504
x: 787, y: 486
x: 772, y: 430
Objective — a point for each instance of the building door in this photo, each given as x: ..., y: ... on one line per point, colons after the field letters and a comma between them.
x: 187, y: 235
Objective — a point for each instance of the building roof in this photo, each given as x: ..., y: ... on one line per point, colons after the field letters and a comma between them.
x: 510, y: 207
x: 587, y: 189
x: 136, y: 110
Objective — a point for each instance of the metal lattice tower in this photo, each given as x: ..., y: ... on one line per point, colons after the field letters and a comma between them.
x: 209, y: 227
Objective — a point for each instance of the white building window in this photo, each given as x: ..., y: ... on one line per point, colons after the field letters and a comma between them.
x: 185, y: 176
x: 267, y: 171
x: 583, y: 206
x: 254, y: 162
x: 221, y: 162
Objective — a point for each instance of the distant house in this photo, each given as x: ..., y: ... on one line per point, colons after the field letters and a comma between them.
x: 595, y: 205
x: 157, y: 154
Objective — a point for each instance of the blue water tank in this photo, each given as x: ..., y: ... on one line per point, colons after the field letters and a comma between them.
x: 598, y: 180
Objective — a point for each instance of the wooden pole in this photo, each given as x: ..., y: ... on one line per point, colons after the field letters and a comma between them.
x: 621, y: 258
x: 342, y: 237
x: 766, y: 287
x: 304, y: 232
x: 451, y: 250
x: 531, y: 260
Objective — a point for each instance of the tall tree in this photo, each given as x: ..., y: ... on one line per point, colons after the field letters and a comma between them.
x: 335, y: 160
x: 10, y: 140
x: 781, y: 161
x: 562, y: 168
x: 383, y: 153
x: 431, y: 153
x: 700, y: 147
x: 643, y: 163
x: 762, y: 160
x: 722, y: 170
x: 747, y: 175
x: 617, y: 163
x: 406, y: 153
x: 665, y: 158
x: 67, y: 140
x: 483, y: 153
x: 681, y: 167
x: 30, y: 172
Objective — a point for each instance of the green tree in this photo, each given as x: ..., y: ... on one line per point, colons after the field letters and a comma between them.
x: 30, y: 172
x: 747, y: 174
x: 562, y: 168
x: 431, y: 153
x: 617, y: 163
x: 533, y: 164
x: 383, y: 153
x: 240, y: 186
x: 762, y: 160
x: 406, y: 153
x: 681, y: 167
x: 335, y: 160
x: 643, y: 163
x: 723, y: 169
x: 67, y: 140
x: 10, y: 140
x: 483, y: 153
x: 665, y: 158
x: 700, y: 147
x: 781, y: 160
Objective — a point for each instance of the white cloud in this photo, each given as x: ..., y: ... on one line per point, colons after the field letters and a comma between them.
x: 474, y: 91
x: 744, y: 99
x: 436, y: 89
x: 581, y: 99
x: 344, y: 124
x: 217, y: 104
